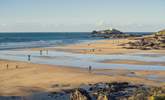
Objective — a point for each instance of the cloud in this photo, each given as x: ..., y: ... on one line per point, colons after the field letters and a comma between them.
x: 3, y: 25
x: 100, y: 23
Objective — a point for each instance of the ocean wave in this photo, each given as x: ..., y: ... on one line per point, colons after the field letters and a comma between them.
x: 41, y: 43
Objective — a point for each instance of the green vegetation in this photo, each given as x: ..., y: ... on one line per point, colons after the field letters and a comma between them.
x: 162, y: 32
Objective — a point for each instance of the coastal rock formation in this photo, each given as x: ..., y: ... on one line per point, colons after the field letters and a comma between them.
x: 155, y: 41
x: 117, y: 91
x: 110, y: 33
x: 162, y: 32
x: 79, y: 94
x: 100, y: 91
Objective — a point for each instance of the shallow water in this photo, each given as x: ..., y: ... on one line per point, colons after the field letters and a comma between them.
x: 15, y: 40
x: 83, y: 60
x: 156, y: 78
x: 149, y: 77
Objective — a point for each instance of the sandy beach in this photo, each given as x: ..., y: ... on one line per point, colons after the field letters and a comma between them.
x: 29, y: 78
x: 82, y: 50
x: 133, y: 62
x: 102, y: 47
x: 22, y: 78
x: 108, y: 47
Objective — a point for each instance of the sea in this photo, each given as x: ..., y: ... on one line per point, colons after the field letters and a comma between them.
x: 10, y: 44
x: 16, y: 40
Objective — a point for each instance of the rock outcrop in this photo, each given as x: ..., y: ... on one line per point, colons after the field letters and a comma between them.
x: 161, y: 33
x: 155, y: 41
x: 78, y: 95
x: 117, y: 91
x: 100, y: 91
x: 110, y: 33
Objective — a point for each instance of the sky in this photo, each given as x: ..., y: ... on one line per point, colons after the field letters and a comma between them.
x: 81, y: 15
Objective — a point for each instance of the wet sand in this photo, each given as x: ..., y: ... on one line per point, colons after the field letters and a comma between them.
x: 102, y: 47
x: 29, y: 78
x: 133, y: 62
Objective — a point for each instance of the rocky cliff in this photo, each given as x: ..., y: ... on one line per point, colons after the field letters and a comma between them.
x: 155, y: 41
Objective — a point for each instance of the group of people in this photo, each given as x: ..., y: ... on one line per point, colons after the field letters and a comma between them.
x: 7, y: 66
x: 42, y: 51
x: 29, y: 56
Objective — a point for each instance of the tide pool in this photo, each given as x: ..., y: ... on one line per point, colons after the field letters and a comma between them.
x: 83, y: 60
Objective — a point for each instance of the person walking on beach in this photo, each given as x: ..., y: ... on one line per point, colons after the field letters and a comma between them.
x: 29, y: 57
x: 7, y: 66
x: 46, y: 52
x: 40, y: 52
x: 90, y: 69
x: 16, y: 66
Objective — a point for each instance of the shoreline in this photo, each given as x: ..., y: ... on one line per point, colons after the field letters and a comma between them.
x: 107, y: 46
x: 29, y: 78
x: 22, y: 80
x: 132, y: 62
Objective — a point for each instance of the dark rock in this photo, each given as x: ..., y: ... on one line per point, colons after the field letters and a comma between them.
x: 100, y: 91
x: 111, y: 33
x: 156, y: 41
x: 79, y: 94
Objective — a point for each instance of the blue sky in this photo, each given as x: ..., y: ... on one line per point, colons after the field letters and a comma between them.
x: 81, y: 15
